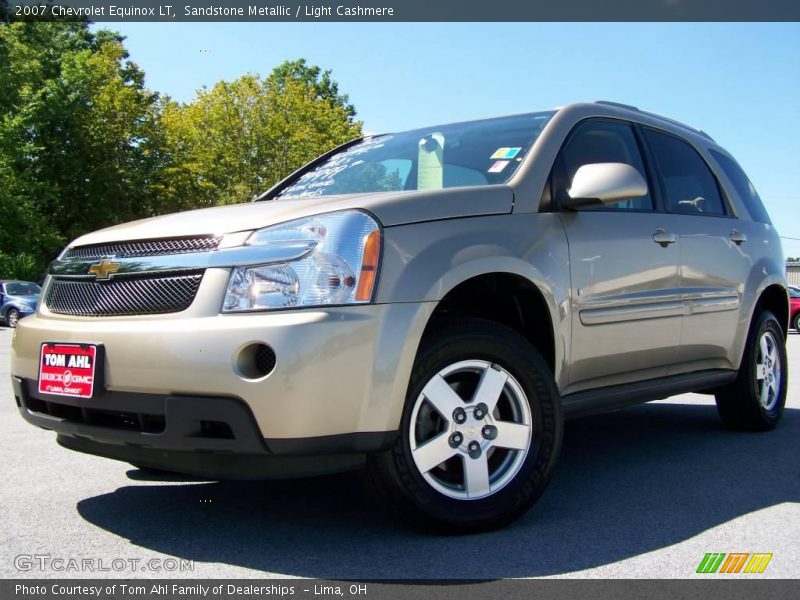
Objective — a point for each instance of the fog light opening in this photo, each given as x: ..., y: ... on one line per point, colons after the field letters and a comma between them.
x: 255, y: 361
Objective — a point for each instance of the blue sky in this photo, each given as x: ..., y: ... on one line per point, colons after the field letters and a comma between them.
x: 738, y: 82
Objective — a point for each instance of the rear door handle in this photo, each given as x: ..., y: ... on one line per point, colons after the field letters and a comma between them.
x: 663, y: 238
x: 737, y: 237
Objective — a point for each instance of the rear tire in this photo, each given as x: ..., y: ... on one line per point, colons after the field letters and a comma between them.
x: 796, y: 322
x: 481, y: 430
x: 754, y: 402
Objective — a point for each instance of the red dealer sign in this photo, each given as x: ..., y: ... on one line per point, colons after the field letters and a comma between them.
x: 67, y: 369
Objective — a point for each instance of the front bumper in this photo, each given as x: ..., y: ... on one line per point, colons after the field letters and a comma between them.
x: 338, y: 386
x: 209, y: 437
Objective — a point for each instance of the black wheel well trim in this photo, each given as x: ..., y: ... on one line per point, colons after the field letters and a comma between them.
x: 768, y: 298
x: 774, y: 298
x: 512, y: 287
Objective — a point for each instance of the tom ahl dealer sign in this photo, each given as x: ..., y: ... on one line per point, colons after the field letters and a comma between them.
x: 68, y: 369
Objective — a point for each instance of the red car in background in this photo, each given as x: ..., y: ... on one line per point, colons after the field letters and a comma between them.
x: 794, y: 308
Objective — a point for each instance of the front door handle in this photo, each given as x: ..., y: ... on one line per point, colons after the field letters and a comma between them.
x: 737, y: 237
x: 663, y: 238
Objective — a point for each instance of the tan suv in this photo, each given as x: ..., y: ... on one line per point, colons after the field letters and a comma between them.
x: 432, y: 302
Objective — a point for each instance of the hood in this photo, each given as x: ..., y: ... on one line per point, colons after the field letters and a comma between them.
x: 390, y: 208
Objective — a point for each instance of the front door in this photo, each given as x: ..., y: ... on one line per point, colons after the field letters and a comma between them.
x: 626, y: 294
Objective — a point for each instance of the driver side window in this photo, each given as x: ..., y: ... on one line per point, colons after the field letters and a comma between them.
x: 600, y: 142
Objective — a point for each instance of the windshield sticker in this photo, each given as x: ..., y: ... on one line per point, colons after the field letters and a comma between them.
x: 505, y: 153
x: 430, y: 162
x: 497, y: 167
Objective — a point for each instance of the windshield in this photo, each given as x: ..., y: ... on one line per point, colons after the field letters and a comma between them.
x: 483, y: 152
x: 22, y: 289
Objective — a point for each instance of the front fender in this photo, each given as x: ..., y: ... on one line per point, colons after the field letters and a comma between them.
x: 425, y: 261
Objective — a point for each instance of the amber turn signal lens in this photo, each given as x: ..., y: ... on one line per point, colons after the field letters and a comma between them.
x: 369, y: 266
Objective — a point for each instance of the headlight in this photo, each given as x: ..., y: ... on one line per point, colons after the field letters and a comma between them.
x: 340, y: 267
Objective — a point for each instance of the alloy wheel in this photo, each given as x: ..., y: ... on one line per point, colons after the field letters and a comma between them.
x: 768, y: 371
x: 470, y: 429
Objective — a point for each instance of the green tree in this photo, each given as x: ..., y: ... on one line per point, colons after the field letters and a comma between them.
x: 84, y: 144
x: 75, y: 128
x: 319, y: 82
x: 240, y: 137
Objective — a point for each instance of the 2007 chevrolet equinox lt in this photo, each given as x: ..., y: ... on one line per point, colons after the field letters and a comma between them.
x: 432, y: 303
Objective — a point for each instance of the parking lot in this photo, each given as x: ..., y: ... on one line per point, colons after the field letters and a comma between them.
x: 639, y: 493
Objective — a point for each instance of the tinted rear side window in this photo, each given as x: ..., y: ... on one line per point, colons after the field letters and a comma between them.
x: 689, y: 185
x: 741, y: 183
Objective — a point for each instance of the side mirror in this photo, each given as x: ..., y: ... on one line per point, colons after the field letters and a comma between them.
x: 605, y: 183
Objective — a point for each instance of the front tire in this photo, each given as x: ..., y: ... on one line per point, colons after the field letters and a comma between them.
x: 755, y: 401
x: 12, y: 317
x: 796, y: 322
x: 481, y: 430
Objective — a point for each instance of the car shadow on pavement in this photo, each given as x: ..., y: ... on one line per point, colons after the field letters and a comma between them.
x: 629, y: 482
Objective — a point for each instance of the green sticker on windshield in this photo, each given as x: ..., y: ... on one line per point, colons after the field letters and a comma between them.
x: 505, y: 153
x: 430, y: 164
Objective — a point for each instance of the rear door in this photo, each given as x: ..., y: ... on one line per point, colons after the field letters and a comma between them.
x: 626, y: 298
x: 715, y: 252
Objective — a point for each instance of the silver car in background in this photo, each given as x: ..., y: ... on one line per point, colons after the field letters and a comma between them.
x: 432, y: 303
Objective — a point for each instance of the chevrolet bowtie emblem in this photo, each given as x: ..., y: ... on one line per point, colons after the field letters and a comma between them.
x: 104, y: 269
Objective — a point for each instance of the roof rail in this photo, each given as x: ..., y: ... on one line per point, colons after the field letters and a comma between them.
x: 679, y: 124
x: 657, y: 116
x: 618, y: 105
x: 705, y: 135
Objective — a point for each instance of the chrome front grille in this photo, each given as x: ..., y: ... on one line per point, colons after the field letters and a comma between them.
x: 138, y: 248
x: 153, y: 294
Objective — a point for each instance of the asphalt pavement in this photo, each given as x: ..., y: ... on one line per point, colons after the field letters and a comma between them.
x: 639, y: 493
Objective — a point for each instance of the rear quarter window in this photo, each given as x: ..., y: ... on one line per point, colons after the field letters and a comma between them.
x: 743, y: 186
